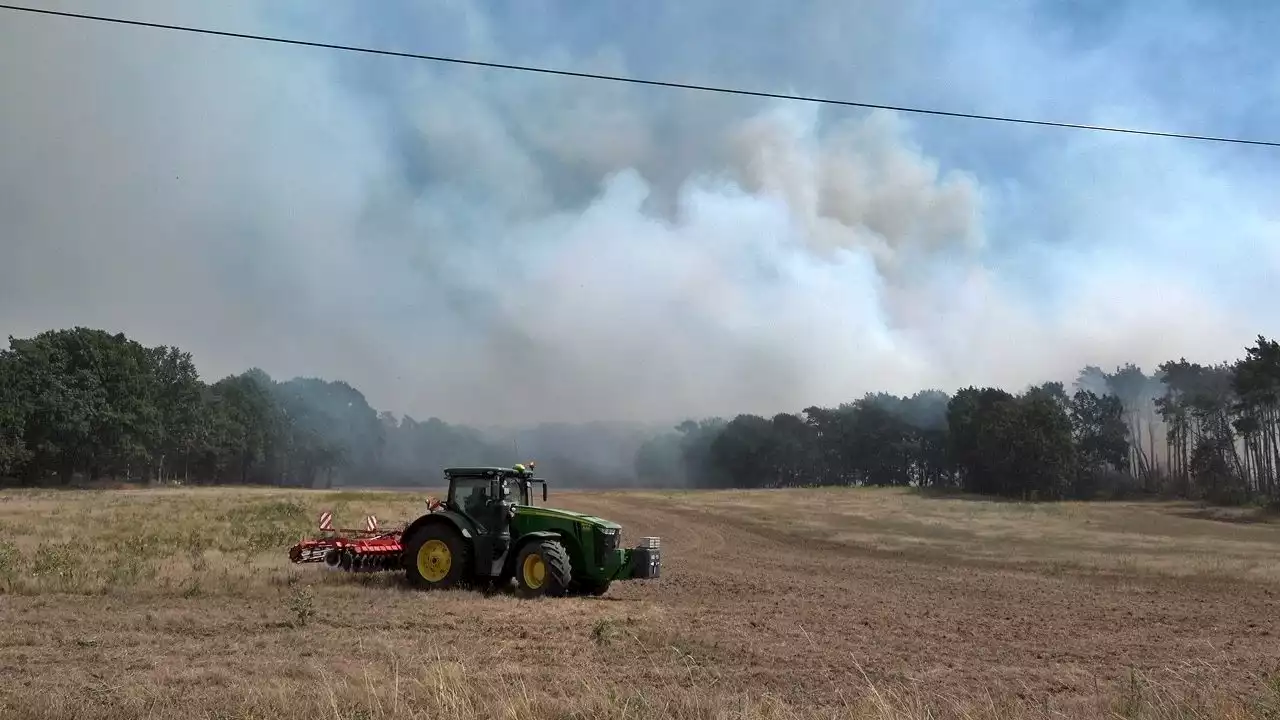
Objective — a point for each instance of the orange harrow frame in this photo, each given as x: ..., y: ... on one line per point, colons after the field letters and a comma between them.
x: 366, y: 549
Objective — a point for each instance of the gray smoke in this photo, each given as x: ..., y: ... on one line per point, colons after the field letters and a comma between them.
x: 500, y: 248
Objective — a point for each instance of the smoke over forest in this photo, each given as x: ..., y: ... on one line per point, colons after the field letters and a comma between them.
x: 501, y: 249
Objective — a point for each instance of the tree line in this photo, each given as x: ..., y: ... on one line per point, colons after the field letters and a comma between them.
x: 82, y: 403
x: 91, y: 403
x: 86, y: 402
x: 1188, y: 430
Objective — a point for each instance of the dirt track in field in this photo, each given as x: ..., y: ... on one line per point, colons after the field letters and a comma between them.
x: 804, y: 596
x: 792, y: 612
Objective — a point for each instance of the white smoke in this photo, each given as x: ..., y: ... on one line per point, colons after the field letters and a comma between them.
x: 491, y: 247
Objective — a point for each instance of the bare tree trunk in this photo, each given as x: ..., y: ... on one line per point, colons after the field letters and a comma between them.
x: 1143, y: 462
x: 1271, y: 452
x: 1151, y: 445
x: 1251, y: 461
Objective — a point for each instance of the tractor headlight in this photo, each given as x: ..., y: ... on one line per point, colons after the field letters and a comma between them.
x: 609, y: 531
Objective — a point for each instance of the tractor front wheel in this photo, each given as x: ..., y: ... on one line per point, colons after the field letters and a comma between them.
x: 436, y: 558
x: 542, y: 568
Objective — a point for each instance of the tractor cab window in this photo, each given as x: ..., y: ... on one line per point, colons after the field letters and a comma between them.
x: 470, y: 494
x: 519, y: 492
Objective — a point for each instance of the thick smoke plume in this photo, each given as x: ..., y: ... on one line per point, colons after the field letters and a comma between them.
x: 783, y: 279
x: 500, y: 248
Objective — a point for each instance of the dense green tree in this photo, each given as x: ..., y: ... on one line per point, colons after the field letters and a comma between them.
x: 84, y: 399
x: 1201, y: 413
x: 976, y: 441
x: 1045, y: 459
x: 13, y: 448
x: 179, y: 400
x: 1256, y: 385
x: 747, y: 452
x: 247, y: 428
x: 1101, y: 436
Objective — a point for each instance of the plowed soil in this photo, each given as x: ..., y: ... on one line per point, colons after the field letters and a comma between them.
x: 794, y: 612
x: 812, y: 598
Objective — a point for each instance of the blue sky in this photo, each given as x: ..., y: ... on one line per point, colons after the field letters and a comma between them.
x: 479, y: 244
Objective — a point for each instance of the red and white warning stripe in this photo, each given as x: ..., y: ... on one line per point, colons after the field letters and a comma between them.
x: 326, y: 520
x: 371, y: 523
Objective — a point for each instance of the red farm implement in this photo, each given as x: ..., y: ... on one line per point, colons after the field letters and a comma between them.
x: 366, y: 549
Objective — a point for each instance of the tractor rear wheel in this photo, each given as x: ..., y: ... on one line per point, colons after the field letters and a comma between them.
x: 437, y: 557
x: 542, y: 568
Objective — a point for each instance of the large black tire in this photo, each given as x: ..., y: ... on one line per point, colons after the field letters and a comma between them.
x: 437, y: 557
x: 542, y: 569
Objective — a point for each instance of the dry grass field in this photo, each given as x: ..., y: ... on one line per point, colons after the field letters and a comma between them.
x: 792, y: 604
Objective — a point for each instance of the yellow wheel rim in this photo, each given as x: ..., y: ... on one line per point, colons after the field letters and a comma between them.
x: 535, y: 571
x: 434, y: 560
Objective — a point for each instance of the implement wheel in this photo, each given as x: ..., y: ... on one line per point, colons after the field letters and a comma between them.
x: 437, y: 557
x: 542, y: 568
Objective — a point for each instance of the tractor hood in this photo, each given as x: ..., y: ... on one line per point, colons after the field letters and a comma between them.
x: 569, y: 516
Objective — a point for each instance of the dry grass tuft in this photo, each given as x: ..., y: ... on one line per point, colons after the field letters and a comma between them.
x: 442, y: 689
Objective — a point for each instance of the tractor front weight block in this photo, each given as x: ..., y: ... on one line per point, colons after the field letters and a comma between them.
x: 646, y: 559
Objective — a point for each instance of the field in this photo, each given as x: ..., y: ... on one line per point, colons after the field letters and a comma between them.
x: 789, y: 604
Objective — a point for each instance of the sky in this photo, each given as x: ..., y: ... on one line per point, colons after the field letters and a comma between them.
x: 491, y: 246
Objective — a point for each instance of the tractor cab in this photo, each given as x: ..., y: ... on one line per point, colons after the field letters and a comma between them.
x: 519, y: 484
x: 476, y: 487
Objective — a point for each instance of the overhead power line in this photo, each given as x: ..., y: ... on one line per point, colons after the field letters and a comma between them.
x: 635, y: 81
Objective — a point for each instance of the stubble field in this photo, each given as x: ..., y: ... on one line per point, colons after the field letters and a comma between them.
x: 773, y: 604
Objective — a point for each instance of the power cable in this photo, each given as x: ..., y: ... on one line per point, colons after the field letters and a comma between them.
x: 634, y: 81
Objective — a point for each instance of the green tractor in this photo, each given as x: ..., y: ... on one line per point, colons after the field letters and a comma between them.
x: 488, y: 531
